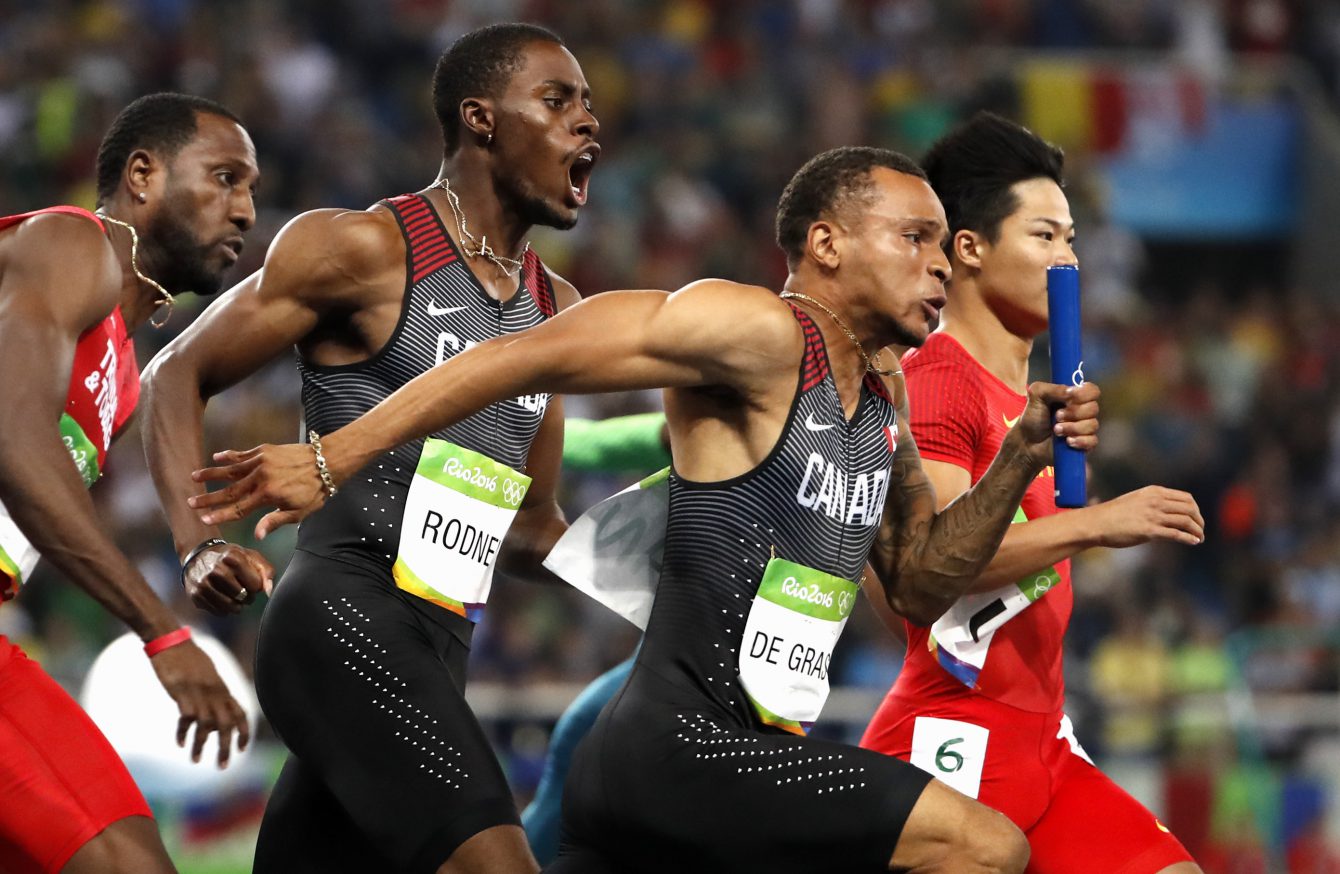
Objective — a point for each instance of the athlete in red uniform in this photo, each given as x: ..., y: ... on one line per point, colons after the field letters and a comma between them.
x: 175, y: 175
x: 979, y: 701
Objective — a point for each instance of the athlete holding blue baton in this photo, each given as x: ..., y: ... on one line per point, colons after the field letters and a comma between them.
x: 979, y: 701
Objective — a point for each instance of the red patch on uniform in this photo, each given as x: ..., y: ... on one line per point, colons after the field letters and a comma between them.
x: 891, y: 436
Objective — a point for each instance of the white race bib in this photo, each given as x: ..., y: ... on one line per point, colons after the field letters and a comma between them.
x: 963, y: 635
x: 787, y: 648
x: 459, y: 507
x: 18, y: 557
x: 951, y: 751
x: 613, y: 551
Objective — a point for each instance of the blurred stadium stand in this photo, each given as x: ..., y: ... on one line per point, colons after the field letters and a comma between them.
x: 1203, y: 149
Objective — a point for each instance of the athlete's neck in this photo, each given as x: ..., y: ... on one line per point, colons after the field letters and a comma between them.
x: 979, y: 330
x: 487, y: 218
x: 138, y: 299
x: 830, y: 314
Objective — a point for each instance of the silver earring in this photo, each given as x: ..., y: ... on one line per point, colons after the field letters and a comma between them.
x: 142, y: 196
x: 488, y: 141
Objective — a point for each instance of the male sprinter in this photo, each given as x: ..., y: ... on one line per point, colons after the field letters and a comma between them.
x: 174, y: 178
x: 360, y: 665
x: 785, y: 444
x: 979, y: 700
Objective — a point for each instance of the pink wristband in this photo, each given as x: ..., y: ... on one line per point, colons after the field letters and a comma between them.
x: 171, y: 639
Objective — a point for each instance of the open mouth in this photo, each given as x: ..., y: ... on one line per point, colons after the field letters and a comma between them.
x: 579, y: 174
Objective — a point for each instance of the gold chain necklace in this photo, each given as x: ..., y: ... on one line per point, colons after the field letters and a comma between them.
x: 872, y: 365
x: 509, y: 266
x: 166, y: 298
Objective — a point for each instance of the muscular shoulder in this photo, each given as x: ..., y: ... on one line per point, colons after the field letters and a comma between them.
x: 736, y: 312
x: 64, y: 252
x: 946, y: 403
x: 337, y: 253
x: 748, y: 334
x: 942, y: 372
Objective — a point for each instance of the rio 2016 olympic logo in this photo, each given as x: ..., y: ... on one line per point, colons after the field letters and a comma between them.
x: 513, y: 492
x: 810, y: 594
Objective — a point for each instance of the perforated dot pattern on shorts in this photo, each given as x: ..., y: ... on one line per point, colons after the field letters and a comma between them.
x: 791, y: 765
x: 412, y: 726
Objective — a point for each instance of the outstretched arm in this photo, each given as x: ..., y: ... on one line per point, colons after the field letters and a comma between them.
x: 928, y: 559
x: 1150, y: 513
x: 62, y: 278
x: 617, y: 341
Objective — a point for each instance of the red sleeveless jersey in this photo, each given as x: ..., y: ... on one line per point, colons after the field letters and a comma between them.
x: 1005, y: 644
x: 104, y: 388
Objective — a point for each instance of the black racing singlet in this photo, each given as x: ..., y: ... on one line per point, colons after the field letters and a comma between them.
x: 815, y: 501
x: 445, y: 311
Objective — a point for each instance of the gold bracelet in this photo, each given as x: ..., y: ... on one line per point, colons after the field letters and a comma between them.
x: 326, y: 482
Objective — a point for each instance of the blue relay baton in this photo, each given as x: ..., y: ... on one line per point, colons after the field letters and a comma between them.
x: 1067, y: 369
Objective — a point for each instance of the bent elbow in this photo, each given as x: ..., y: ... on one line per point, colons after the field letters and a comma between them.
x: 168, y: 374
x: 919, y: 610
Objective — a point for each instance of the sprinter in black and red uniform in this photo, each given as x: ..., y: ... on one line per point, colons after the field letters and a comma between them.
x: 791, y: 468
x: 360, y: 664
x: 175, y: 179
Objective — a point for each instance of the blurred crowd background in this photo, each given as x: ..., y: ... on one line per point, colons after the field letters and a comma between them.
x: 1202, y: 148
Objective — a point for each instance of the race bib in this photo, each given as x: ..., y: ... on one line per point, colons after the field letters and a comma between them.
x: 962, y: 636
x: 951, y: 751
x: 459, y: 507
x: 787, y: 648
x: 18, y: 557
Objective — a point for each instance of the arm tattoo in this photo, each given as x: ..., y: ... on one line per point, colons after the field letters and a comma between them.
x: 928, y: 559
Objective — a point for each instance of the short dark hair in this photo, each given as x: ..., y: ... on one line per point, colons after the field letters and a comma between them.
x: 974, y: 167
x: 828, y: 182
x: 161, y: 123
x: 479, y: 64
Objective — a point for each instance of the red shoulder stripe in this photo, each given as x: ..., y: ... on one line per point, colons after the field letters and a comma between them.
x: 815, y: 364
x: 430, y: 247
x: 10, y: 220
x: 537, y: 283
x: 877, y: 387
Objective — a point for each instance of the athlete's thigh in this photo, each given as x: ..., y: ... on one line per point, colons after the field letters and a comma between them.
x: 1094, y: 825
x: 700, y: 795
x: 984, y: 750
x: 307, y: 831
x: 365, y: 692
x: 61, y: 781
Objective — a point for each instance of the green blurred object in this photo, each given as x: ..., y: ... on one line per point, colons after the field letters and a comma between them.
x: 57, y: 110
x: 628, y: 444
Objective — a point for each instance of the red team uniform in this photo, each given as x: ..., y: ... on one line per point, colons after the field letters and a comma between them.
x: 61, y: 781
x: 979, y: 701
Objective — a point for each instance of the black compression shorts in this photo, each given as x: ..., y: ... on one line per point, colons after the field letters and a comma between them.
x: 665, y: 782
x: 390, y: 771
